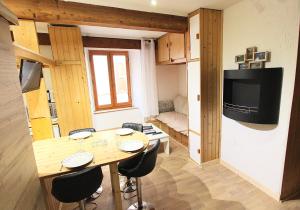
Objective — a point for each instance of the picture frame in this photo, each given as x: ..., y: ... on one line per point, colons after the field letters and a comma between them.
x: 243, y: 66
x: 240, y: 58
x: 262, y: 56
x: 257, y: 65
x: 250, y: 53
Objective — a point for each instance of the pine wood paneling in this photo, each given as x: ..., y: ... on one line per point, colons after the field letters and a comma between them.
x: 70, y: 80
x: 20, y: 187
x: 37, y: 103
x: 291, y: 174
x: 61, y: 12
x: 210, y: 45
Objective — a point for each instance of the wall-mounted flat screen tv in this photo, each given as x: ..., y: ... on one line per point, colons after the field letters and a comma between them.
x: 30, y: 75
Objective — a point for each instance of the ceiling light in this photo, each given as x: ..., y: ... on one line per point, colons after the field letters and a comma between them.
x: 153, y: 2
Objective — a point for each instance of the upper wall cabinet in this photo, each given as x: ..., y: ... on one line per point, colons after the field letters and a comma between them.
x: 194, y: 36
x: 171, y: 49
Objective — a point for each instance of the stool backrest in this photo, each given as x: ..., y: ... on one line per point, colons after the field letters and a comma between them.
x: 81, y: 130
x: 77, y: 186
x: 149, y: 160
x: 133, y: 126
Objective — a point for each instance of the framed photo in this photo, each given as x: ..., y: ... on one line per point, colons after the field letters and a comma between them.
x: 243, y: 66
x: 240, y: 59
x: 250, y: 53
x: 262, y: 56
x: 257, y: 65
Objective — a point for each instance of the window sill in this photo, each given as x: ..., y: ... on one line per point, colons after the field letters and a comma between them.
x: 114, y: 110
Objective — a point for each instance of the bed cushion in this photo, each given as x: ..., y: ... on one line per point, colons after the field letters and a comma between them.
x: 175, y: 120
x: 165, y: 106
x: 180, y: 104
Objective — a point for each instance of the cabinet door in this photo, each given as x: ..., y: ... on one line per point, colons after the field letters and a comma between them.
x: 195, y: 36
x: 194, y: 147
x: 193, y: 94
x: 163, y: 49
x: 176, y: 46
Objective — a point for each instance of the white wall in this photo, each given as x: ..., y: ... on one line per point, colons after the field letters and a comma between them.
x: 113, y: 119
x: 171, y: 81
x: 255, y: 150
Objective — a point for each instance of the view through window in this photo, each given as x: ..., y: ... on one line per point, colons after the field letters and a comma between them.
x: 111, y: 79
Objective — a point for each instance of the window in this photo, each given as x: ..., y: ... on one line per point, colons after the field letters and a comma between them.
x: 111, y: 79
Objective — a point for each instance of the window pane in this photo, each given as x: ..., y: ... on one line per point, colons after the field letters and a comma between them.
x: 120, y: 72
x: 102, y: 79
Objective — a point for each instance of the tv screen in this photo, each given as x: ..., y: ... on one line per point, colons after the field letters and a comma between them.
x: 30, y: 75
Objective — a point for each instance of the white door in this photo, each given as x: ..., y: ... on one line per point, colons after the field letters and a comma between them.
x: 193, y: 94
x: 195, y: 36
x: 194, y: 147
x: 194, y: 110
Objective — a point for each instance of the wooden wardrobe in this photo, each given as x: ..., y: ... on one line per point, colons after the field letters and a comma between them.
x: 204, y: 83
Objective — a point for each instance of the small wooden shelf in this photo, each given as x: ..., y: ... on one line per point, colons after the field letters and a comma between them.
x: 24, y: 53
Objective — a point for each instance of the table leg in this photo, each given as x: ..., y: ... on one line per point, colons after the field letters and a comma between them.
x: 167, y: 147
x: 115, y: 184
x: 51, y: 202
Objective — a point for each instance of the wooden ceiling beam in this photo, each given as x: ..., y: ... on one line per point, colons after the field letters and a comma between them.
x: 60, y: 12
x: 98, y: 42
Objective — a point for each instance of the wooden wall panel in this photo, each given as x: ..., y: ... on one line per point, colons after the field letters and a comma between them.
x: 70, y: 79
x: 291, y: 174
x: 210, y: 45
x: 25, y: 35
x: 20, y: 186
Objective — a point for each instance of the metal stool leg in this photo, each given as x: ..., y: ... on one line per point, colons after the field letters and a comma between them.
x: 140, y: 205
x: 82, y: 205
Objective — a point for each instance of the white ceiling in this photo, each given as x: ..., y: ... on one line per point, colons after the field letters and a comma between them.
x: 177, y: 7
x: 97, y: 31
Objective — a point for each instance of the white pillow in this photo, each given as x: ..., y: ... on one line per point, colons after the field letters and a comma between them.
x: 180, y: 104
x: 185, y: 108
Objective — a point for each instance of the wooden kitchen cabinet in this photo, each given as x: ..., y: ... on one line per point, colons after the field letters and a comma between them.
x: 163, y: 49
x: 171, y: 49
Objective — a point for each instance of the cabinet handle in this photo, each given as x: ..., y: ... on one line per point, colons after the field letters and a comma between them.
x: 198, y: 150
x: 172, y: 60
x: 197, y: 36
x: 198, y: 97
x: 167, y: 45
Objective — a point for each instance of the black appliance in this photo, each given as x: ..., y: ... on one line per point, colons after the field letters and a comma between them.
x: 252, y: 95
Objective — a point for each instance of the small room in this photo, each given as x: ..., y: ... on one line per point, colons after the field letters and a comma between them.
x: 143, y: 104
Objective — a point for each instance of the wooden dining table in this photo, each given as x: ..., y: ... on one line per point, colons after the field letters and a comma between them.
x: 104, y: 146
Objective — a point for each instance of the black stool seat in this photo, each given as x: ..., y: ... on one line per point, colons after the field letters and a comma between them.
x: 81, y: 130
x: 77, y: 186
x: 140, y: 165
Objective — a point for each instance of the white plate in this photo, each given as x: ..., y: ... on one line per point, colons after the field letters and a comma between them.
x: 77, y: 159
x: 81, y: 135
x: 131, y: 145
x: 124, y: 131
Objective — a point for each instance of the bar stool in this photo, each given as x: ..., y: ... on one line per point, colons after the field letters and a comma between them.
x: 142, y: 165
x: 77, y: 186
x: 130, y: 186
x: 98, y: 192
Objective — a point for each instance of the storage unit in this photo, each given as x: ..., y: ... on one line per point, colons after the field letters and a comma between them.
x: 194, y: 110
x: 171, y: 48
x: 204, y: 84
x: 194, y: 25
